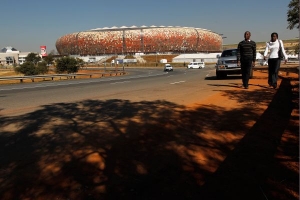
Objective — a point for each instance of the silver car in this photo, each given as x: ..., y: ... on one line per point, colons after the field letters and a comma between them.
x: 227, y: 64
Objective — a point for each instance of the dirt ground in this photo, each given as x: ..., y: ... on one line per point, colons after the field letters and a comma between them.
x: 238, y: 144
x: 265, y: 162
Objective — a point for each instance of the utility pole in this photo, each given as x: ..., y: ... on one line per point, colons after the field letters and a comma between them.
x: 155, y: 59
x: 223, y: 37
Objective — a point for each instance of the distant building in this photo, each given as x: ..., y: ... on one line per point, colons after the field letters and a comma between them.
x: 10, y: 56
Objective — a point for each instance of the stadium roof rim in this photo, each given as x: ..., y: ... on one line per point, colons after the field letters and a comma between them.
x: 114, y: 28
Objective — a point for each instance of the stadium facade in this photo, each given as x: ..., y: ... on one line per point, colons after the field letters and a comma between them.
x: 147, y: 40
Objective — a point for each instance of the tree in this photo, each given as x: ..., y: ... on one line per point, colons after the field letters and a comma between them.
x: 293, y: 14
x: 67, y: 64
x: 80, y: 62
x: 32, y: 66
x: 27, y: 68
x: 33, y: 58
x: 42, y: 68
x: 49, y: 59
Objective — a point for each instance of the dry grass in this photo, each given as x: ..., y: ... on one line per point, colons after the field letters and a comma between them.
x: 7, y: 72
x: 157, y: 58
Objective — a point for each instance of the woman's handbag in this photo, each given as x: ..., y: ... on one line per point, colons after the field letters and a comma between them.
x: 280, y: 53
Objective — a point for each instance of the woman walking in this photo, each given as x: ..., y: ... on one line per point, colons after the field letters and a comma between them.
x: 274, y: 47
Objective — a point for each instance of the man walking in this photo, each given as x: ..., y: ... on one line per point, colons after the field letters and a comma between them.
x: 246, y: 56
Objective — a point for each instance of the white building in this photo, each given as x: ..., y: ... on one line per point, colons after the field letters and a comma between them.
x: 197, y: 57
x: 11, y: 56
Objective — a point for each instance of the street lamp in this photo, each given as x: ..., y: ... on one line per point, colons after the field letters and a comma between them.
x: 298, y: 43
x: 223, y: 37
x: 222, y: 42
x: 104, y: 59
x: 156, y: 59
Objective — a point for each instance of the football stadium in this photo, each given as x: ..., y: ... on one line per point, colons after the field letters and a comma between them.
x: 145, y: 40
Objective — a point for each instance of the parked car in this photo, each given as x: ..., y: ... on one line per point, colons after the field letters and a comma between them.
x: 227, y: 64
x: 168, y: 67
x: 196, y: 65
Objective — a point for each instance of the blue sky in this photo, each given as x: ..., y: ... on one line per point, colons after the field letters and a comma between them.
x: 26, y: 25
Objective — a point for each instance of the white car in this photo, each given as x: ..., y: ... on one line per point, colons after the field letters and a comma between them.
x: 168, y: 67
x: 196, y: 65
x: 263, y: 62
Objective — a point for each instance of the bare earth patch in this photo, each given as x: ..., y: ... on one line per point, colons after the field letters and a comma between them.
x: 265, y: 163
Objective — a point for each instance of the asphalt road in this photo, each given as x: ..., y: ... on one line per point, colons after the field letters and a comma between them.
x: 178, y: 86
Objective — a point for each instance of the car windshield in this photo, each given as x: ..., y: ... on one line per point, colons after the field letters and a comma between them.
x: 228, y: 53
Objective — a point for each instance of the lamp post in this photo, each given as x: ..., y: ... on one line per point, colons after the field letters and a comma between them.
x: 298, y: 44
x: 222, y: 42
x: 223, y: 37
x: 155, y: 59
x: 104, y: 60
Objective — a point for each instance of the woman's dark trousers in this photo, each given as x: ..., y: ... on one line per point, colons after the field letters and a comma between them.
x: 273, y: 68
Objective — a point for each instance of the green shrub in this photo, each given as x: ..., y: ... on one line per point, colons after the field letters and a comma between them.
x: 33, y: 57
x: 27, y: 69
x: 42, y: 68
x: 67, y: 64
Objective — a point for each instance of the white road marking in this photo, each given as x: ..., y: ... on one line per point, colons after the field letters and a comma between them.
x: 120, y: 82
x: 177, y: 82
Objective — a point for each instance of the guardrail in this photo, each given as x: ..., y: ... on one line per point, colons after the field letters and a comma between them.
x: 52, y: 76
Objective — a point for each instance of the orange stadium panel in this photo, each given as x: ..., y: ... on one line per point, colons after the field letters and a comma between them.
x: 139, y: 40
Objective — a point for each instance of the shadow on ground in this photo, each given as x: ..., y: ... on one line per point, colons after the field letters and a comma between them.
x: 118, y: 149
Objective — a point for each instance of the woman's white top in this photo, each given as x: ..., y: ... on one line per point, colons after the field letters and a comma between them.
x: 273, y: 47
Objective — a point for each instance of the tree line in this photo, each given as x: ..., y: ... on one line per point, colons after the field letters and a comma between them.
x: 35, y: 65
